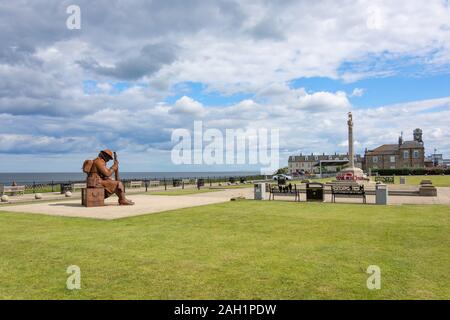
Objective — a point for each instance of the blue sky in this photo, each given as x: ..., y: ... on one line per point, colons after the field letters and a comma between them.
x: 128, y: 80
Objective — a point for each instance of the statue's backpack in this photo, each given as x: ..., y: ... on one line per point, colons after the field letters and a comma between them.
x: 87, y: 167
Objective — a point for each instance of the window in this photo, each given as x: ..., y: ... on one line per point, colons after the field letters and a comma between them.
x: 416, y: 154
x: 393, y: 167
x: 406, y: 154
x: 392, y: 159
x: 375, y: 159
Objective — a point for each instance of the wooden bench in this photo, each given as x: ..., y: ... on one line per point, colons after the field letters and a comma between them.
x: 284, y: 191
x: 76, y: 186
x: 153, y: 183
x: 348, y: 191
x: 12, y: 190
x: 135, y: 184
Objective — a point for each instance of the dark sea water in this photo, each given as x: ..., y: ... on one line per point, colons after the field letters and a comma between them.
x: 43, y: 177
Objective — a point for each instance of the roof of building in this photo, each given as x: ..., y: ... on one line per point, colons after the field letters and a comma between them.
x: 393, y: 148
x: 384, y: 149
x: 322, y: 157
x: 411, y: 144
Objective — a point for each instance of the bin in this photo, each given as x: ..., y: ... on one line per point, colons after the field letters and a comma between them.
x: 65, y: 187
x: 200, y: 183
x: 315, y: 192
x: 260, y: 191
x: 381, y: 194
x: 281, y: 181
x: 402, y: 180
x: 176, y: 183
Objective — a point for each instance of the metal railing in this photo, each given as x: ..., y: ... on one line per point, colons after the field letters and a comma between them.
x: 148, y: 182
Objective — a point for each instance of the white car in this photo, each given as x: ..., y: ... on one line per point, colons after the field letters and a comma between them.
x: 282, y: 176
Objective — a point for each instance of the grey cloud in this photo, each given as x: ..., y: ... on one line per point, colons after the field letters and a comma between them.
x: 268, y: 28
x: 14, y: 55
x: 152, y: 57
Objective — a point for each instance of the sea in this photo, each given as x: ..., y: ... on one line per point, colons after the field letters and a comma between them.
x: 47, y: 177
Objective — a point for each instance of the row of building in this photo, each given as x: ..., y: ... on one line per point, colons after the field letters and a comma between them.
x: 404, y: 154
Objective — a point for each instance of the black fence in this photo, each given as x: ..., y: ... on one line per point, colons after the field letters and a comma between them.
x: 147, y: 183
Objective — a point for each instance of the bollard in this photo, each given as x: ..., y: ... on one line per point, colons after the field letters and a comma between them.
x: 260, y: 191
x: 381, y: 194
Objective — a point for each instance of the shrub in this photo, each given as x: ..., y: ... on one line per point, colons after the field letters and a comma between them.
x: 412, y: 172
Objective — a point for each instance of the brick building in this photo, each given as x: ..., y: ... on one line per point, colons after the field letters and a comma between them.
x: 404, y: 154
x: 310, y: 163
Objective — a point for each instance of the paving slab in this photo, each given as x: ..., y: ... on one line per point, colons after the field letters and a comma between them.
x: 144, y: 204
x: 148, y: 204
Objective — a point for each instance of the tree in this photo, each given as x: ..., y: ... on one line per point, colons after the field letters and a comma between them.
x: 282, y: 171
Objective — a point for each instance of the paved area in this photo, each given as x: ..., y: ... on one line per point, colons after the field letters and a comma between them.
x: 443, y: 197
x: 148, y: 204
x: 145, y: 204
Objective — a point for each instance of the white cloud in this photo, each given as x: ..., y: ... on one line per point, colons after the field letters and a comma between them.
x: 324, y: 101
x: 186, y: 105
x: 358, y: 92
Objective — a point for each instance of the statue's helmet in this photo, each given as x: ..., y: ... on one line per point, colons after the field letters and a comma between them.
x: 108, y: 153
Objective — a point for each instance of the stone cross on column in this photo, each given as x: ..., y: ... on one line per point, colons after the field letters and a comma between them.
x: 350, y: 140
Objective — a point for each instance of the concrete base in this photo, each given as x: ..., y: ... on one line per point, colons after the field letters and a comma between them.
x: 144, y: 204
x: 427, y: 191
x: 351, y: 174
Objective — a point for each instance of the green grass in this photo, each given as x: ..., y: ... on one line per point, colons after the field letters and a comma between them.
x: 234, y: 250
x: 46, y: 189
x: 438, y: 181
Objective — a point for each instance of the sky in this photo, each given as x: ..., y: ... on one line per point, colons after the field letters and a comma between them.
x: 137, y: 70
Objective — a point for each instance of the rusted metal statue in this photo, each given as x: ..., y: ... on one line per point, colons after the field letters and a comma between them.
x: 99, y: 175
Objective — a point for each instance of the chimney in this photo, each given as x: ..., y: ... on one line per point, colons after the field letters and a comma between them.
x: 400, y: 139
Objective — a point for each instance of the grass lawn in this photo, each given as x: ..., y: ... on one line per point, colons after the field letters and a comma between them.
x: 234, y: 250
x: 438, y: 181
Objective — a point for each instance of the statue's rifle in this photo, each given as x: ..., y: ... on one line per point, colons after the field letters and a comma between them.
x: 116, y: 173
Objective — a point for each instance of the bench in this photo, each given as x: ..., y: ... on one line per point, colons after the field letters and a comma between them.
x: 284, y: 191
x: 76, y: 186
x: 153, y: 183
x: 348, y: 191
x: 12, y: 190
x: 135, y: 184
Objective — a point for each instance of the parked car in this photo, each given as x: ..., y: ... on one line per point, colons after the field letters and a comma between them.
x: 281, y: 177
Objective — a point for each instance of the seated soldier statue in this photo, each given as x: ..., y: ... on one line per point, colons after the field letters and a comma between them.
x: 100, y: 175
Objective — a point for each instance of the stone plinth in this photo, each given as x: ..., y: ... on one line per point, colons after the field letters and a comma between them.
x: 350, y: 174
x: 427, y: 189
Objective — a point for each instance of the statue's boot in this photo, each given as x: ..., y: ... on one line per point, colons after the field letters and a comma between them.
x: 126, y: 202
